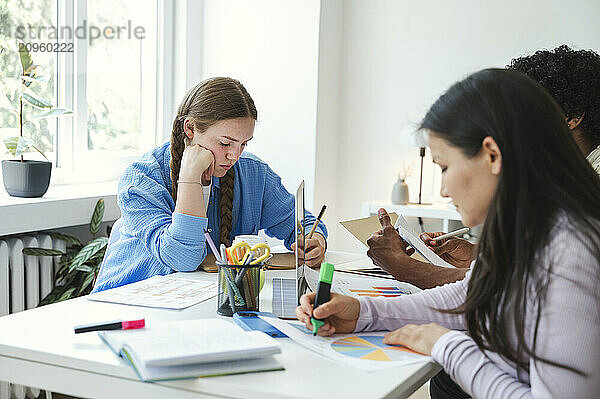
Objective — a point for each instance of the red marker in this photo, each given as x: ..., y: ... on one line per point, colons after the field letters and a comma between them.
x: 110, y: 325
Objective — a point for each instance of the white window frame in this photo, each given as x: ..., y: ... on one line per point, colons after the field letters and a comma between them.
x: 74, y: 163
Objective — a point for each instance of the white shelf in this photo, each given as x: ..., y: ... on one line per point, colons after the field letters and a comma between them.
x: 61, y: 206
x: 437, y: 210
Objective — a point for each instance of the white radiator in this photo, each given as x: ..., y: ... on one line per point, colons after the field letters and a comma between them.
x: 24, y: 281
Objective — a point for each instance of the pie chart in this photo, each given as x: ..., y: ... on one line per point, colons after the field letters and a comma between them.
x: 370, y: 348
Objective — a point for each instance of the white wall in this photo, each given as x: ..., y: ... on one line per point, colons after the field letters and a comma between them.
x: 271, y: 47
x: 328, y: 109
x: 399, y: 56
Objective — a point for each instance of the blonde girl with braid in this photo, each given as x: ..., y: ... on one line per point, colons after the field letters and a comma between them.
x: 202, y: 179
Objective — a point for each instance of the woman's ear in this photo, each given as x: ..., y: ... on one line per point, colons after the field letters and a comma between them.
x: 492, y: 154
x: 188, y: 128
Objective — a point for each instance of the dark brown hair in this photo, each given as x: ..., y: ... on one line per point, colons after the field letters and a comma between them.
x: 205, y: 104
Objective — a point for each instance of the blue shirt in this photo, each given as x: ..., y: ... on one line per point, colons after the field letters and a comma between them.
x: 155, y: 240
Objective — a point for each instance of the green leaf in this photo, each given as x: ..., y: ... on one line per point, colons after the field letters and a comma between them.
x: 41, y: 152
x: 69, y: 239
x: 84, y: 268
x: 53, y: 295
x: 97, y: 217
x: 87, y: 252
x: 68, y: 294
x: 18, y: 145
x: 31, y: 79
x: 87, y: 285
x: 99, y: 254
x: 36, y: 100
x: 25, y: 56
x: 41, y: 252
x: 54, y: 112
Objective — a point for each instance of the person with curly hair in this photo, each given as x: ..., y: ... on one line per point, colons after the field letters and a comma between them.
x: 572, y: 78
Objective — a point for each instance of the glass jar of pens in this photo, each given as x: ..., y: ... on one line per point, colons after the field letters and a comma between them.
x: 240, y: 276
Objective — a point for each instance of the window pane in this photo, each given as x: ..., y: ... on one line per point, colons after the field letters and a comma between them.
x: 31, y: 22
x: 121, y: 65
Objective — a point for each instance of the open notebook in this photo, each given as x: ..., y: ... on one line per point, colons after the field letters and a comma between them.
x: 193, y: 348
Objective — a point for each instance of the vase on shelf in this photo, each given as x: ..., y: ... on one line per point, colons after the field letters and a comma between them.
x: 400, y: 193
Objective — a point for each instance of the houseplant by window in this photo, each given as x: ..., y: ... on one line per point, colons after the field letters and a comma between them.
x: 27, y: 178
x: 79, y: 265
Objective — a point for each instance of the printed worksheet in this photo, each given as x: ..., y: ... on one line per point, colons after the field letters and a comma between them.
x: 357, y: 287
x: 160, y: 292
x: 362, y: 350
x: 415, y: 241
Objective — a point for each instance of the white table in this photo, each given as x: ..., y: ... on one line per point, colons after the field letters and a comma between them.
x: 436, y: 210
x: 38, y: 348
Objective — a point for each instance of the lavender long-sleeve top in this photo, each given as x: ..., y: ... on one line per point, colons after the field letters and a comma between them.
x: 569, y: 329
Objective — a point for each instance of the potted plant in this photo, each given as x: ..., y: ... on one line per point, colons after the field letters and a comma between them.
x: 79, y: 265
x: 27, y: 178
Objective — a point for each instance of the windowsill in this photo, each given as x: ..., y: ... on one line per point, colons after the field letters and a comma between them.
x: 61, y: 206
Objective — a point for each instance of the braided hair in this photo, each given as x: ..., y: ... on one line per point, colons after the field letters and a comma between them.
x: 205, y: 104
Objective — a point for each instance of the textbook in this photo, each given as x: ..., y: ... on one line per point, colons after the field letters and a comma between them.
x: 193, y: 348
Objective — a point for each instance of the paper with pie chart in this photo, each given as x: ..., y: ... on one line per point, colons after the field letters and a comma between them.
x: 363, y: 350
x: 370, y: 347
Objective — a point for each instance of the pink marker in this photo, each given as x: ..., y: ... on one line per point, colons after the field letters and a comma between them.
x: 111, y: 325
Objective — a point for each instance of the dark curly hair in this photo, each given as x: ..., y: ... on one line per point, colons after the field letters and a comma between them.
x: 572, y: 77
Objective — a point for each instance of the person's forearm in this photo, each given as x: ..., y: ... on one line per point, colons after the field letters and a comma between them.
x: 425, y: 275
x: 190, y: 199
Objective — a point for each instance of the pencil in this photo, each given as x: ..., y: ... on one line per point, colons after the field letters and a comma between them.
x: 212, y: 246
x: 316, y: 222
x: 452, y: 234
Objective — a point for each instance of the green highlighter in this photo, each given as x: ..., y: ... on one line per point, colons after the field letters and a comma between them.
x: 323, y: 292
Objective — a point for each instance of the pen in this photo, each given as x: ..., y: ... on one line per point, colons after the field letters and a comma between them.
x: 212, y: 246
x: 110, y: 325
x: 323, y: 292
x: 452, y: 234
x: 248, y: 258
x: 312, y: 230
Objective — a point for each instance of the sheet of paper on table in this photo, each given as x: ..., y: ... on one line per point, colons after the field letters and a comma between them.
x: 160, y: 292
x: 362, y: 350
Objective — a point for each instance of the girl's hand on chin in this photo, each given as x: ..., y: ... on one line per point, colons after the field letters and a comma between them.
x: 197, y: 164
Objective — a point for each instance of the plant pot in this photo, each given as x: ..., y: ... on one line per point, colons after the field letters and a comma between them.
x: 26, y: 178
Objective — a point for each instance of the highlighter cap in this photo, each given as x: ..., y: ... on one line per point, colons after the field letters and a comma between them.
x: 326, y: 273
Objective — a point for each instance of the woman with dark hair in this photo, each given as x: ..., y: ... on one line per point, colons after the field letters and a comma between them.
x: 531, y: 303
x: 202, y: 179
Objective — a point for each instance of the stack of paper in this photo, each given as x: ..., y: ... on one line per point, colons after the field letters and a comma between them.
x: 193, y: 348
